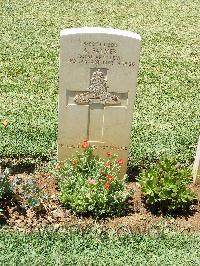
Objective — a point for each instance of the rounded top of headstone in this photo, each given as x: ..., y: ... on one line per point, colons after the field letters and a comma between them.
x: 99, y: 30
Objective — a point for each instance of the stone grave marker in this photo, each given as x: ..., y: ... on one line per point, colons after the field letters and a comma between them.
x: 98, y: 73
x: 196, y: 166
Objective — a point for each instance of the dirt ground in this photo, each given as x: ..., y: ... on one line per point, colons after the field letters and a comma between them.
x: 138, y: 218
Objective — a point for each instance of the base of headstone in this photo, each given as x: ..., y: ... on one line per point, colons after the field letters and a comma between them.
x: 99, y: 149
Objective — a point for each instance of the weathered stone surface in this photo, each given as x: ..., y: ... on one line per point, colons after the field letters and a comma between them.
x: 196, y: 167
x: 98, y: 72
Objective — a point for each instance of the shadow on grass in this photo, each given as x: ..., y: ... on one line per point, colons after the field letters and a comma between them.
x: 19, y: 165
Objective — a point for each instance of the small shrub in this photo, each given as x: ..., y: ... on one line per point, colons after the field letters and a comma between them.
x: 28, y: 193
x: 5, y: 188
x: 164, y: 185
x: 89, y: 184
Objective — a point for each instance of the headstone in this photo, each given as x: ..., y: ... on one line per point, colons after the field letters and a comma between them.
x: 196, y: 167
x: 98, y: 72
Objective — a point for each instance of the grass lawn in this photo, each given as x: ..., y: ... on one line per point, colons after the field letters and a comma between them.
x: 166, y: 117
x: 95, y: 248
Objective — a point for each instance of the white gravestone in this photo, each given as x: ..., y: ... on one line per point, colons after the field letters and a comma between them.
x: 196, y: 167
x: 98, y: 73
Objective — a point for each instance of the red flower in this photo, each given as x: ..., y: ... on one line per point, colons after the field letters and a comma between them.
x: 109, y: 153
x: 109, y: 178
x: 120, y: 162
x: 107, y: 185
x: 91, y: 181
x: 85, y: 144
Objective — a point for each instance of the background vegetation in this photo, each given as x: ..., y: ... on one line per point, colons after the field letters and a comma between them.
x: 166, y: 117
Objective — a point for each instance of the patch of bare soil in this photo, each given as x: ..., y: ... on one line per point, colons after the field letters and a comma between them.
x: 138, y: 217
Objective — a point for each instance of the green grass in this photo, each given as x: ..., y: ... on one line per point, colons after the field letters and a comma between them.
x: 95, y: 248
x: 166, y: 117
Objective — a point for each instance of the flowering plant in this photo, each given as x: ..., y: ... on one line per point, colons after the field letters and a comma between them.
x: 89, y: 184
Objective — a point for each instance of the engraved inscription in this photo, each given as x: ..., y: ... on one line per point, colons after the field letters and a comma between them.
x: 97, y: 92
x: 100, y: 53
x: 104, y: 147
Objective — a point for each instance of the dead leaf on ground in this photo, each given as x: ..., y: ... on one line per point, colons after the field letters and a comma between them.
x: 4, y: 123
